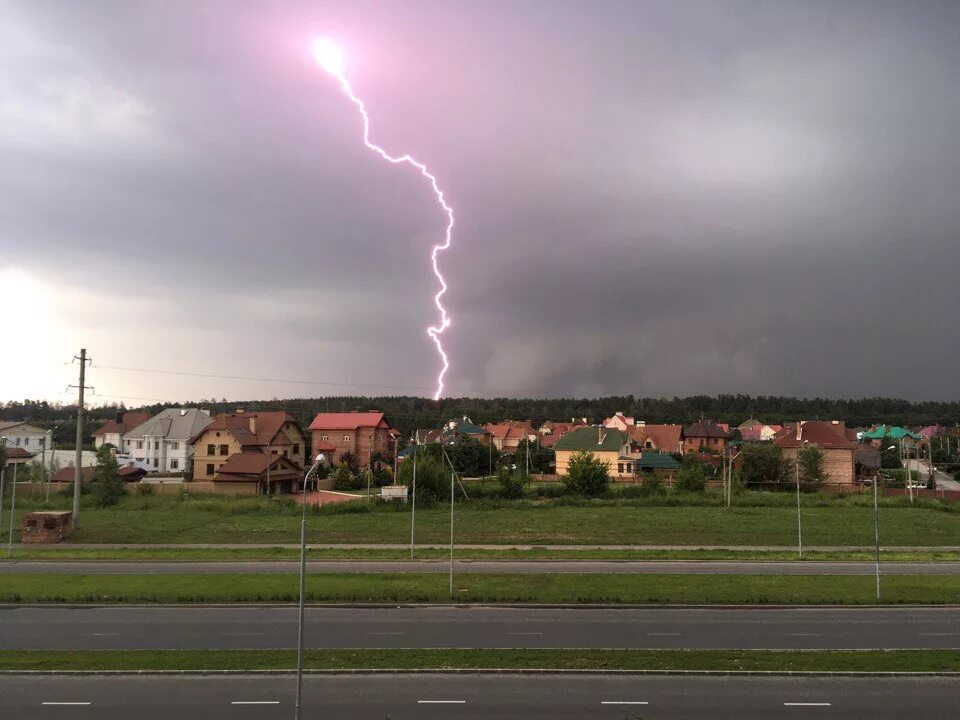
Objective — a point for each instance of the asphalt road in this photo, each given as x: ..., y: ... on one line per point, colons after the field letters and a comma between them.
x: 471, y: 697
x: 234, y: 627
x: 159, y: 567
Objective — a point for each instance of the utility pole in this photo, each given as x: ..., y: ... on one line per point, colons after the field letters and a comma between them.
x: 13, y: 507
x: 50, y: 471
x: 78, y: 462
x: 452, y: 495
x: 3, y: 473
x: 413, y: 507
x: 799, y: 526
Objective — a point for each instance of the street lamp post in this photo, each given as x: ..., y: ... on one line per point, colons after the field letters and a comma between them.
x: 799, y: 526
x: 3, y: 473
x: 413, y: 501
x: 876, y: 519
x: 13, y: 507
x: 303, y: 582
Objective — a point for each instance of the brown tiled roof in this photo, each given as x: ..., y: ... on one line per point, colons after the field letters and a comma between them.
x: 816, y: 432
x: 17, y: 453
x: 128, y: 421
x: 255, y: 464
x: 705, y: 429
x: 128, y: 473
x: 666, y: 437
x: 349, y: 421
x: 510, y: 429
x: 268, y: 426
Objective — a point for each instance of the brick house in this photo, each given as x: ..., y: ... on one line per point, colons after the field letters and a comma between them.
x: 509, y: 434
x: 662, y: 438
x: 705, y: 435
x: 839, y: 453
x: 360, y: 433
x: 243, y: 433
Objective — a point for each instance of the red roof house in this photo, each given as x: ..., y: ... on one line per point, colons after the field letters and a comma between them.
x: 359, y: 433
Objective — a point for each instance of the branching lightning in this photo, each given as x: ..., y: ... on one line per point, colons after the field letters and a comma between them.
x: 330, y: 58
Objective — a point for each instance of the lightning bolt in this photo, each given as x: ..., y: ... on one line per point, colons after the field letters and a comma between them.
x: 330, y: 58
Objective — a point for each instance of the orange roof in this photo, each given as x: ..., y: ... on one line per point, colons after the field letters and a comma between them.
x: 268, y: 425
x: 665, y: 437
x: 254, y: 463
x: 349, y: 421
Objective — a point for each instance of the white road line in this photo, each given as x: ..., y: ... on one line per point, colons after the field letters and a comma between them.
x: 624, y: 702
x: 804, y: 634
x: 807, y: 704
x: 664, y: 634
x: 254, y: 702
x: 938, y: 634
x: 103, y: 634
x: 243, y: 634
x: 65, y: 703
x: 441, y: 702
x: 386, y: 633
x: 524, y: 633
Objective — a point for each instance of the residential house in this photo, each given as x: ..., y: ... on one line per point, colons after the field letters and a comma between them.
x: 361, y: 433
x: 705, y: 435
x: 551, y: 431
x: 661, y: 438
x: 603, y: 443
x: 163, y: 441
x: 839, y: 453
x: 425, y: 436
x: 242, y: 433
x: 619, y: 422
x: 882, y: 434
x: 17, y: 456
x: 32, y: 439
x: 509, y: 434
x: 128, y: 473
x: 463, y: 428
x: 112, y: 431
x: 756, y: 431
x: 257, y: 473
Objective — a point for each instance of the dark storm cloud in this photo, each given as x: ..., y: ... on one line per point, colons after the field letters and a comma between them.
x: 653, y: 198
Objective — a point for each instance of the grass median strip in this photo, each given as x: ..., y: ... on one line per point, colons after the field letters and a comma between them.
x: 507, y: 588
x: 188, y: 554
x: 599, y: 660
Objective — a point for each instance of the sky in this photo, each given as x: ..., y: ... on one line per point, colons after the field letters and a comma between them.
x: 652, y: 198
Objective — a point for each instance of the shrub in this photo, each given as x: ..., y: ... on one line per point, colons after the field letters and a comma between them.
x: 587, y: 475
x: 145, y: 488
x: 106, y: 487
x: 433, y: 477
x: 511, y: 484
x: 762, y: 464
x: 344, y: 479
x: 651, y: 484
x: 691, y: 477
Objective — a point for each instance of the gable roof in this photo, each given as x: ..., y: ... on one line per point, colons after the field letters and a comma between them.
x: 26, y: 426
x: 349, y: 420
x: 592, y: 439
x: 268, y: 424
x: 464, y: 427
x: 253, y: 464
x: 707, y: 429
x: 14, y: 453
x: 893, y: 432
x: 816, y: 432
x: 665, y: 437
x: 656, y: 461
x: 128, y: 421
x: 172, y: 424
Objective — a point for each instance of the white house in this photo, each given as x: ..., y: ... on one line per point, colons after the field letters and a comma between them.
x: 112, y: 431
x: 29, y: 437
x: 163, y: 441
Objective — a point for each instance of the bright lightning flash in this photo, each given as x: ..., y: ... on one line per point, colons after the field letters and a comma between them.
x: 330, y: 57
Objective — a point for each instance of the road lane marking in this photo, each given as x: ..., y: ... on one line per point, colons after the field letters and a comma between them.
x: 244, y: 634
x: 50, y: 702
x: 664, y: 634
x: 804, y: 634
x: 938, y: 634
x: 441, y: 702
x: 386, y: 633
x: 807, y: 704
x: 254, y: 702
x: 524, y: 633
x: 624, y: 702
x: 103, y: 634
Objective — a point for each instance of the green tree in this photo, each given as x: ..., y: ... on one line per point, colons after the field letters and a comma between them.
x: 106, y: 486
x: 691, y: 477
x: 810, y: 465
x: 350, y: 460
x: 586, y: 474
x: 890, y: 457
x: 511, y: 483
x: 763, y: 463
x: 344, y: 479
x: 433, y: 476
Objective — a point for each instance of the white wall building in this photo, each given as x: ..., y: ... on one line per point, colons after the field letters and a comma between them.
x: 29, y: 437
x: 163, y: 441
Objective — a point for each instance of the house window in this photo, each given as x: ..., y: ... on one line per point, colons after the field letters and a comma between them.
x: 156, y: 445
x: 211, y: 449
x: 18, y: 441
x: 296, y: 448
x: 26, y: 441
x: 284, y: 453
x: 629, y: 468
x: 324, y: 437
x: 273, y: 452
x: 209, y: 468
x: 648, y: 444
x: 139, y: 444
x: 224, y: 449
x: 620, y: 468
x: 174, y: 464
x: 346, y: 438
x: 174, y: 446
x: 156, y: 463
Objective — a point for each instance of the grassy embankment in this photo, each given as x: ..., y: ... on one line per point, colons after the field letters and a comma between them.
x: 758, y: 519
x: 507, y: 588
x: 599, y: 660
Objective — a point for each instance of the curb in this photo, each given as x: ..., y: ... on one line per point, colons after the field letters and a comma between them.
x: 488, y: 671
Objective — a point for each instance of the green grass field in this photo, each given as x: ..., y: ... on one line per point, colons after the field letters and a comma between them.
x: 600, y: 660
x: 768, y: 519
x: 508, y: 588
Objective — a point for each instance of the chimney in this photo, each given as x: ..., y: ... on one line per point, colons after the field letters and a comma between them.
x: 183, y: 411
x: 239, y: 411
x: 600, y: 436
x: 253, y: 424
x: 119, y: 417
x: 799, y: 430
